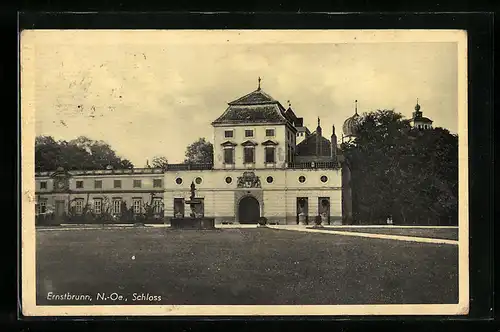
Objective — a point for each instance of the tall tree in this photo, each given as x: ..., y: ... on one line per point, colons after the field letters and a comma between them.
x: 80, y: 153
x: 409, y: 174
x: 160, y: 162
x: 200, y: 152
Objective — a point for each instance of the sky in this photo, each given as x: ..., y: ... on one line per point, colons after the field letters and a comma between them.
x: 150, y: 95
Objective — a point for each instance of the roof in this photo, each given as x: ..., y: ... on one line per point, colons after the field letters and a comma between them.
x: 254, y: 108
x: 251, y: 114
x: 423, y: 119
x: 350, y: 125
x: 308, y: 146
x: 254, y: 98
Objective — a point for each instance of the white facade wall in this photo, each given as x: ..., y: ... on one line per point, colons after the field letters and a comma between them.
x: 280, y: 136
x: 279, y: 198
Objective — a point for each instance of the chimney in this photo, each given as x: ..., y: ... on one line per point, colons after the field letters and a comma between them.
x: 333, y: 145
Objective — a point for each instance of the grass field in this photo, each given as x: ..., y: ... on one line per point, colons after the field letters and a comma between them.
x: 242, y: 266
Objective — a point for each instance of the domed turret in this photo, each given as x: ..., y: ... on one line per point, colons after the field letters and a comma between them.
x: 350, y: 126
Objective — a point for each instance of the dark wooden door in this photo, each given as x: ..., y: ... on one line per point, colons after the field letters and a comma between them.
x: 248, y: 210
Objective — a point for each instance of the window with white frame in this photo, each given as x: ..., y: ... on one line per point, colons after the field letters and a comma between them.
x: 248, y: 132
x: 137, y: 205
x: 229, y: 155
x: 249, y: 154
x: 117, y: 205
x: 270, y: 132
x: 157, y: 204
x: 79, y: 206
x: 97, y: 205
x: 270, y: 154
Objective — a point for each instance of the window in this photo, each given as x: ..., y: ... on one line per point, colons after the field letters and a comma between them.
x: 137, y: 183
x: 178, y: 180
x: 269, y: 179
x: 98, y: 184
x: 198, y: 180
x: 79, y: 206
x: 42, y: 206
x: 157, y: 205
x: 117, y: 183
x: 229, y: 156
x: 228, y: 133
x: 117, y: 206
x: 137, y: 205
x: 79, y: 184
x: 43, y: 185
x: 302, y: 179
x: 324, y: 178
x: 249, y: 154
x: 229, y: 180
x: 270, y: 132
x: 156, y: 183
x: 270, y: 152
x: 97, y: 206
x: 248, y: 133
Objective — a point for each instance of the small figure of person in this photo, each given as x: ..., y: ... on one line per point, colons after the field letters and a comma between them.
x: 389, y: 220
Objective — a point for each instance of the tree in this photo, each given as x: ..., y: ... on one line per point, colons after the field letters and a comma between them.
x: 200, y: 152
x: 80, y: 153
x: 409, y: 174
x: 160, y: 162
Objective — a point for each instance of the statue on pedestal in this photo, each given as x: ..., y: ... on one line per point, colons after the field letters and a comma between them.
x: 193, y: 191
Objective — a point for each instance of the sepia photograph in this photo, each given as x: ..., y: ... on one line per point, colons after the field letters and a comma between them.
x: 244, y: 172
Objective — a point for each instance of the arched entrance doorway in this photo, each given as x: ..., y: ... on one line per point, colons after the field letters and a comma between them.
x: 248, y: 210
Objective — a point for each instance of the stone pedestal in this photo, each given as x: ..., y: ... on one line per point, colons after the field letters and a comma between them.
x: 302, y: 219
x: 324, y: 220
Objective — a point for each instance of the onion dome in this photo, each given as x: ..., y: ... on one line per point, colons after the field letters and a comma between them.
x: 350, y: 124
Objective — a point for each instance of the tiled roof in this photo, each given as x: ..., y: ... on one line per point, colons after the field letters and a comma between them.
x: 255, y: 108
x: 251, y: 114
x: 254, y: 98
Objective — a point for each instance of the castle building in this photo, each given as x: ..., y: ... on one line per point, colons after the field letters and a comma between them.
x: 106, y: 191
x: 259, y: 169
x: 419, y: 121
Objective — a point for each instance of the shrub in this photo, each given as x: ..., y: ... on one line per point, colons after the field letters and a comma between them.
x: 262, y: 221
x: 317, y: 220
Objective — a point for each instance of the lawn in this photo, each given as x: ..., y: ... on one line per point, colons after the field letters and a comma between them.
x: 243, y: 266
x: 435, y: 233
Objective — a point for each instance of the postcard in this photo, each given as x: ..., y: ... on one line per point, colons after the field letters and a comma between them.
x: 244, y: 172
